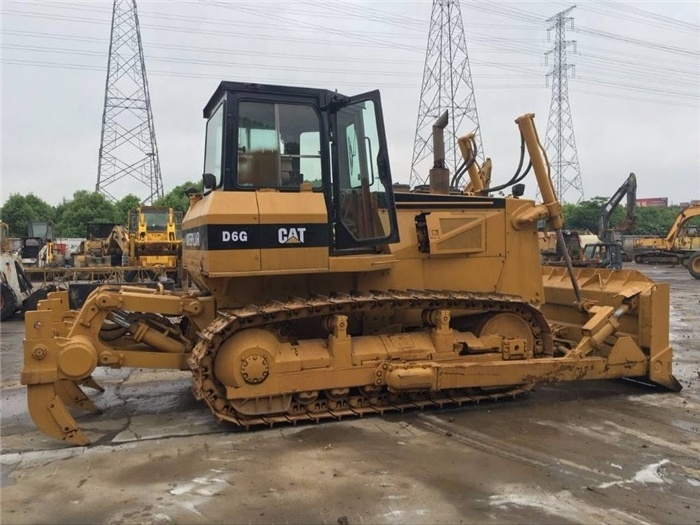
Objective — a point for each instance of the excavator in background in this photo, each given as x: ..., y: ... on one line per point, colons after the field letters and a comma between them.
x: 681, y: 245
x: 588, y: 250
x: 608, y: 252
x: 155, y: 238
x: 324, y: 294
x: 106, y: 244
x: 605, y: 233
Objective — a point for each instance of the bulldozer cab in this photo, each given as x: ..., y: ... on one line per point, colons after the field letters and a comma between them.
x: 155, y: 219
x: 284, y: 139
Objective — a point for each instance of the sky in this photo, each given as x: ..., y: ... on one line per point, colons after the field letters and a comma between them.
x: 634, y: 94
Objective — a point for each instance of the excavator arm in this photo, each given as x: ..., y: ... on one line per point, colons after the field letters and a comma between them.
x: 628, y: 188
x: 681, y: 220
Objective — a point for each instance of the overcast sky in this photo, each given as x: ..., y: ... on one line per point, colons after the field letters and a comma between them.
x: 635, y: 100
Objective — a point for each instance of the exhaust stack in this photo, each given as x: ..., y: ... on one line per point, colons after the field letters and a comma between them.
x: 439, y: 174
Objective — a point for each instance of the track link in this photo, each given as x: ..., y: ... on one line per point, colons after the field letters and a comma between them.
x: 206, y: 387
x: 660, y: 257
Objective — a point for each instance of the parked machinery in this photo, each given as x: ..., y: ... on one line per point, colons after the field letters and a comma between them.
x: 17, y: 293
x: 588, y: 250
x: 324, y: 294
x: 155, y: 238
x: 607, y: 251
x: 579, y: 246
x: 106, y: 244
x: 680, y: 245
x: 37, y: 248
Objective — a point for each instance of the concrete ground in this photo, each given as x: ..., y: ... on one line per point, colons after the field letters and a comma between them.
x: 597, y: 452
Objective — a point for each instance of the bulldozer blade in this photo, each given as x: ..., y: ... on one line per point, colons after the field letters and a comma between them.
x: 51, y: 416
x: 72, y: 395
x: 89, y: 382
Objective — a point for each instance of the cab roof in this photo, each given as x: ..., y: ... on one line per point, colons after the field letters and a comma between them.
x: 323, y: 95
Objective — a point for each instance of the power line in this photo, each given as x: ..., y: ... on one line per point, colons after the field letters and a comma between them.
x: 257, y: 79
x: 652, y: 19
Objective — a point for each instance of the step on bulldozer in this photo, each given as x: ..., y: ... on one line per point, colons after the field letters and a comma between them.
x: 323, y: 293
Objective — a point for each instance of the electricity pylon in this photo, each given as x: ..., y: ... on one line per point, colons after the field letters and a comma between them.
x: 128, y: 146
x: 560, y: 143
x: 447, y: 85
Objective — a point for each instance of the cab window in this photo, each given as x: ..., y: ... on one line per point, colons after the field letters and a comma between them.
x: 361, y: 192
x: 214, y: 144
x: 278, y: 145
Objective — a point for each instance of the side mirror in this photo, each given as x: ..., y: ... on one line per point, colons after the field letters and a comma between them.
x: 209, y: 181
x: 518, y: 190
x: 190, y: 191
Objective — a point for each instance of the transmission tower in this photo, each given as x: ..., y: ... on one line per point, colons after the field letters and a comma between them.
x: 447, y: 85
x: 560, y: 143
x: 128, y: 146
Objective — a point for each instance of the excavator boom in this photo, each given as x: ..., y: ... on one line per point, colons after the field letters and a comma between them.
x: 629, y: 189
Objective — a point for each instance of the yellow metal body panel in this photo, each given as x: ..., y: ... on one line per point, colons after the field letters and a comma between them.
x: 232, y: 208
x: 290, y: 210
x: 498, y: 260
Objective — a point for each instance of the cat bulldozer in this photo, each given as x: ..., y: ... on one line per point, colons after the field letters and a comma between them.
x: 155, y: 238
x: 325, y: 294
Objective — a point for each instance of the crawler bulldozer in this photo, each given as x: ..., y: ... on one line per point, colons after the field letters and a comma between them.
x: 155, y: 237
x: 325, y: 294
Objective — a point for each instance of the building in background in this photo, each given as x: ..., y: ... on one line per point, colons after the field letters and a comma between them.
x: 653, y: 202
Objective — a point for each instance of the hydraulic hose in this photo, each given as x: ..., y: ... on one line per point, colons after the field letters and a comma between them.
x: 517, y: 177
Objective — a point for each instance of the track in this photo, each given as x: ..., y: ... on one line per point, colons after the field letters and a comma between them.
x: 660, y: 257
x: 353, y: 403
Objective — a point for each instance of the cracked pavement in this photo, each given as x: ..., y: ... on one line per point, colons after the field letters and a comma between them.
x: 589, y: 452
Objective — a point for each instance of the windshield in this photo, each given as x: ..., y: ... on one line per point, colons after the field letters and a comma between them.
x: 99, y: 230
x: 156, y: 221
x: 279, y: 145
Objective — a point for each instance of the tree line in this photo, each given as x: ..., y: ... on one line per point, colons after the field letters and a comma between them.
x: 71, y: 217
x: 649, y: 221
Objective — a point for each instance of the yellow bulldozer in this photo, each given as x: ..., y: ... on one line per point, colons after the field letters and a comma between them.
x: 155, y: 238
x: 325, y: 294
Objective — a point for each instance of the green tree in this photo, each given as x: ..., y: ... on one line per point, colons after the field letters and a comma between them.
x: 176, y: 198
x: 586, y: 215
x: 122, y: 207
x: 18, y: 210
x: 655, y: 221
x: 73, y: 216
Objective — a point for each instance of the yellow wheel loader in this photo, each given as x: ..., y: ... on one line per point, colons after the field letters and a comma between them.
x: 325, y: 294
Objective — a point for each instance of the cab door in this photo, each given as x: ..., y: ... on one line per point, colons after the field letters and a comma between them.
x: 364, y: 215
